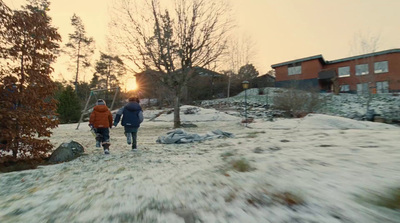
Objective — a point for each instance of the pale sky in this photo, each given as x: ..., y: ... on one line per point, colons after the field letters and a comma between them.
x: 282, y: 29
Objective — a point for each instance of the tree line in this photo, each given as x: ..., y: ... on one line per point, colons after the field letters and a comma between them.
x: 166, y: 45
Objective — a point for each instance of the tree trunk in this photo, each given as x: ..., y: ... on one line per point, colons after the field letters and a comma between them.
x: 229, y: 85
x: 106, y: 95
x: 77, y: 68
x: 177, y: 118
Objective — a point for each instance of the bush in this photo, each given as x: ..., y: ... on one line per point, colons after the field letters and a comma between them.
x: 297, y: 102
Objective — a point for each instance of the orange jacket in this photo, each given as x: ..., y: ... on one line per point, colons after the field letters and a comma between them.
x: 101, y: 117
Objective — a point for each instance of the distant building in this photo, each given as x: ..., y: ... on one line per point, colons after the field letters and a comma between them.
x: 263, y: 81
x: 202, y: 84
x: 377, y: 72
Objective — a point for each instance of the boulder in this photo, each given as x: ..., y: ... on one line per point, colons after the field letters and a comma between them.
x: 66, y: 152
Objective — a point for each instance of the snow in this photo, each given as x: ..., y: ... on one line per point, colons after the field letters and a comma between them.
x: 200, y: 115
x: 332, y: 164
x: 345, y: 105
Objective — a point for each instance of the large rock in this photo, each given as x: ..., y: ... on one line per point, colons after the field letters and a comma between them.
x: 66, y: 152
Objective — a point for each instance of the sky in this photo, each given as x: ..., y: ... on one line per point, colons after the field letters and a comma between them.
x: 281, y: 30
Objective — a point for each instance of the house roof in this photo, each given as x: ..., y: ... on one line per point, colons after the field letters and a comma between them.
x: 364, y: 56
x: 336, y: 61
x: 266, y: 76
x: 299, y: 60
x: 206, y: 72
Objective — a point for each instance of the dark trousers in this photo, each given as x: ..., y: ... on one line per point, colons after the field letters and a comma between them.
x: 103, y: 135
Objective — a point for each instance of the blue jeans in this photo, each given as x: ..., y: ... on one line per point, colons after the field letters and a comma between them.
x: 131, y: 132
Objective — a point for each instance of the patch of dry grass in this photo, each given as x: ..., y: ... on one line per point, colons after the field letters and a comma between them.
x: 241, y: 165
x: 265, y: 198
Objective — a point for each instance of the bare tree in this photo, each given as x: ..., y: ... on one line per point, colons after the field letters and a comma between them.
x: 366, y: 44
x: 240, y: 51
x: 172, y: 40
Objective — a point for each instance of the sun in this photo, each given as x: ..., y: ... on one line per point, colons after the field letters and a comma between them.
x: 131, y: 84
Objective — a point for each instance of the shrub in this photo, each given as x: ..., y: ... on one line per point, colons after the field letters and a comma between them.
x: 295, y: 102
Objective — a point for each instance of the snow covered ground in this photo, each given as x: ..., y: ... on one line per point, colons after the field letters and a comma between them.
x: 316, y: 169
x: 346, y: 105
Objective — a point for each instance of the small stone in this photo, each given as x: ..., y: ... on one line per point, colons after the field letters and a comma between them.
x: 258, y: 150
x: 275, y: 148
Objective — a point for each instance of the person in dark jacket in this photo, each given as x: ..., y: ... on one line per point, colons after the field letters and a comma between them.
x: 132, y: 116
x: 101, y: 120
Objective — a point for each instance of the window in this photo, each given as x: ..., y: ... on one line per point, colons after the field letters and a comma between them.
x: 362, y: 88
x: 382, y: 87
x: 294, y: 68
x: 344, y: 71
x: 362, y: 69
x: 345, y: 88
x: 381, y: 67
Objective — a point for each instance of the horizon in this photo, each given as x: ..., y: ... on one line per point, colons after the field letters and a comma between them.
x: 300, y: 29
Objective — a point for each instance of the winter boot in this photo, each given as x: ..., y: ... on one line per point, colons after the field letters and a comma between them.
x: 106, y: 146
x: 98, y: 144
x: 129, y: 138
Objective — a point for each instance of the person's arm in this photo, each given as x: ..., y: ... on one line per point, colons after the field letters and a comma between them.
x: 92, y: 118
x: 118, y: 116
x: 110, y: 119
x: 141, y: 117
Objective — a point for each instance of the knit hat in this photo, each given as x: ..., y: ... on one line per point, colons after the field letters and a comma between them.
x: 135, y: 99
x: 101, y: 102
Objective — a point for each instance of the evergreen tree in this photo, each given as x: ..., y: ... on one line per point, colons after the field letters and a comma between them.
x: 69, y: 107
x: 108, y: 71
x: 27, y: 107
x: 80, y: 47
x: 83, y: 92
x: 247, y: 72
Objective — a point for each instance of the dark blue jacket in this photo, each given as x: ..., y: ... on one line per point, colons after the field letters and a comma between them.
x: 132, y: 115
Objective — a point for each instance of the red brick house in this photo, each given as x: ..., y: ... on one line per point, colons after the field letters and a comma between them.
x: 378, y: 72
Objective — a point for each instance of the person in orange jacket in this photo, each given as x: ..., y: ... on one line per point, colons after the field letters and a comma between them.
x: 101, y: 121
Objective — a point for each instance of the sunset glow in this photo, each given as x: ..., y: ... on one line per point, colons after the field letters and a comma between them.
x: 130, y: 85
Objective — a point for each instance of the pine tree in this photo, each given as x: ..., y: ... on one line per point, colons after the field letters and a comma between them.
x: 80, y: 47
x: 27, y: 107
x: 247, y: 72
x: 83, y: 92
x: 108, y: 70
x: 69, y: 108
